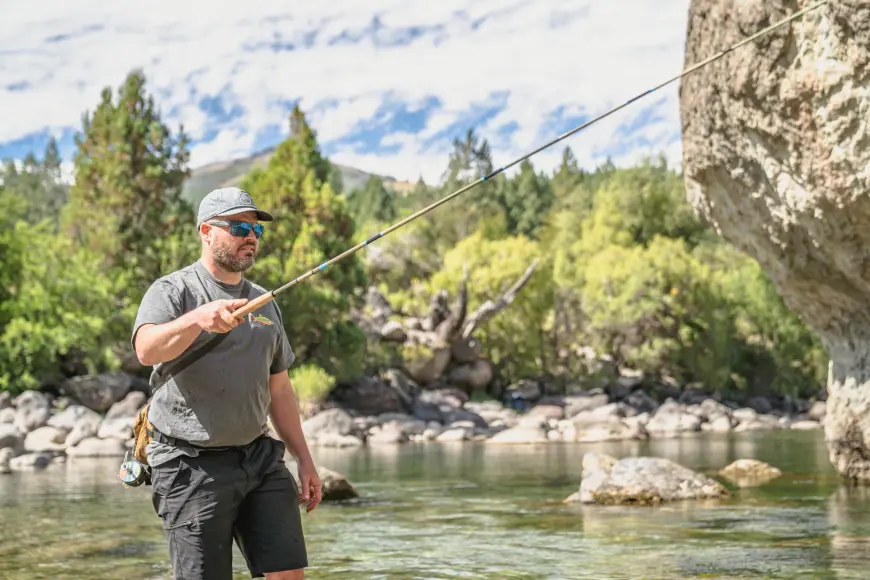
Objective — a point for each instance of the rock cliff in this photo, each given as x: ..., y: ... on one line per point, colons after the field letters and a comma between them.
x: 776, y: 151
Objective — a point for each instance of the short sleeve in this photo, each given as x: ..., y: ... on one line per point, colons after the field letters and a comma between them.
x: 284, y: 355
x: 161, y: 304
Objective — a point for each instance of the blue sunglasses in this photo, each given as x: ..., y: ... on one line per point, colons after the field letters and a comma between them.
x: 240, y: 229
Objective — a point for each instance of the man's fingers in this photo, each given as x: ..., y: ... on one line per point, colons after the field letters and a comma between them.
x: 305, y: 485
x: 230, y: 320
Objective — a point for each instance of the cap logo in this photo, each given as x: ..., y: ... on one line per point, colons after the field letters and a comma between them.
x: 245, y: 198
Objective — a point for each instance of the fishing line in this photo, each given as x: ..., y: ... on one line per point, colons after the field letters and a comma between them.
x: 267, y: 297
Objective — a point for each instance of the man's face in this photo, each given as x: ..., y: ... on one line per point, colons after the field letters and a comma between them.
x: 233, y: 253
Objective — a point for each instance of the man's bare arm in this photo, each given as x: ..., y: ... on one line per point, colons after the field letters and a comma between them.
x: 157, y: 343
x: 284, y: 411
x: 285, y: 416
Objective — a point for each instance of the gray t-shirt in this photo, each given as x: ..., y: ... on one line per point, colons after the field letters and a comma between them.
x: 223, y: 397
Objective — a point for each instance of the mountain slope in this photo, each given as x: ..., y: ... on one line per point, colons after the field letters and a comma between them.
x: 228, y: 173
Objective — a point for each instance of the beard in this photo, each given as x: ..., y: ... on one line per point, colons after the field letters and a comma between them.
x: 227, y: 257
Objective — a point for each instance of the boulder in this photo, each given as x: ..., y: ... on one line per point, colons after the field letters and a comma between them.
x: 98, y: 392
x: 775, y: 158
x: 749, y: 472
x: 32, y: 410
x: 642, y: 480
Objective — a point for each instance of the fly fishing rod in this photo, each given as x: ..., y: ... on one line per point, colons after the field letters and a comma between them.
x: 264, y: 299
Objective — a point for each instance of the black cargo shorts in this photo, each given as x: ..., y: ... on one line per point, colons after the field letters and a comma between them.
x: 243, y: 493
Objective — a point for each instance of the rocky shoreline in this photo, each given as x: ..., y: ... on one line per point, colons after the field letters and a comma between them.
x: 446, y: 415
x: 92, y: 416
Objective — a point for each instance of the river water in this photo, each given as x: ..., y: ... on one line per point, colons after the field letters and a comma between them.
x: 439, y: 511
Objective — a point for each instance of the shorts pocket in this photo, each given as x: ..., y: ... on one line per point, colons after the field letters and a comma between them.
x: 186, y: 549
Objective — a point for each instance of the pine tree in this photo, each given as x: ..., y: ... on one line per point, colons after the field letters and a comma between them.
x: 312, y: 224
x: 126, y: 200
x: 38, y: 183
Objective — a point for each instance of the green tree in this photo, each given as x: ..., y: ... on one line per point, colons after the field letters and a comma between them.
x: 526, y: 201
x: 516, y: 338
x: 38, y: 183
x: 312, y: 224
x: 372, y: 204
x: 59, y: 308
x: 126, y: 201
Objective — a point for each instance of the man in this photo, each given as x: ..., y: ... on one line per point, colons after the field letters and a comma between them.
x: 216, y: 474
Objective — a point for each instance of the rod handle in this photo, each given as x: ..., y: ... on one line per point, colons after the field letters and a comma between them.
x: 254, y: 304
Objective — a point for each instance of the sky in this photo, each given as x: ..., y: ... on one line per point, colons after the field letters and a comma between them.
x: 386, y: 84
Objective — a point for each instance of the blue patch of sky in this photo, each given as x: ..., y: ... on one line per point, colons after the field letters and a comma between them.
x: 393, y: 116
x: 35, y: 143
x: 628, y: 135
x: 559, y: 122
x: 219, y: 112
x: 476, y: 116
x: 383, y: 36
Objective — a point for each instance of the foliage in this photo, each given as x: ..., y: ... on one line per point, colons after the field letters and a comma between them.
x: 515, y: 338
x: 311, y: 383
x: 624, y: 264
x: 312, y: 224
x: 126, y: 201
x: 61, y: 313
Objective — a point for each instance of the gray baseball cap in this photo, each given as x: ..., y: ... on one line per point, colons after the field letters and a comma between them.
x: 228, y: 201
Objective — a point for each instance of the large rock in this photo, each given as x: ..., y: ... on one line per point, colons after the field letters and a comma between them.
x: 775, y: 156
x: 641, y: 480
x: 98, y: 392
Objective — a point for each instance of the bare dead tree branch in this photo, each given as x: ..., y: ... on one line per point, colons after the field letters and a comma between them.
x: 489, y: 308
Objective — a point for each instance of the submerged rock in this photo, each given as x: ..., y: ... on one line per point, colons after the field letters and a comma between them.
x: 641, y: 480
x: 749, y: 472
x: 336, y: 487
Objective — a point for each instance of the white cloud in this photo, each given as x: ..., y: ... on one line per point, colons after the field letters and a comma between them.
x: 587, y: 56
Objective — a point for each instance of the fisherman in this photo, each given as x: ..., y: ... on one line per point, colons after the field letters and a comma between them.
x: 217, y: 474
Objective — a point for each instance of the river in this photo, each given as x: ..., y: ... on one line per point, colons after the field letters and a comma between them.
x: 439, y: 511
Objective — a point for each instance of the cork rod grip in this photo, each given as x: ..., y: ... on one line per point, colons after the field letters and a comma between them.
x: 254, y: 304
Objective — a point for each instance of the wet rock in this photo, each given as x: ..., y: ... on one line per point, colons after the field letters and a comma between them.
x: 641, y: 480
x: 455, y: 433
x: 387, y: 434
x: 519, y: 435
x: 336, y: 486
x: 7, y: 416
x: 31, y: 461
x: 128, y: 406
x: 98, y: 392
x: 816, y: 411
x: 330, y: 422
x: 10, y: 437
x: 32, y: 410
x: 45, y: 438
x: 74, y: 415
x: 368, y: 396
x: 806, y: 425
x: 95, y: 447
x: 578, y: 404
x: 6, y: 455
x: 749, y: 472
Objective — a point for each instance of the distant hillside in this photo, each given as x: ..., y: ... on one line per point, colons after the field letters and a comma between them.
x: 228, y: 173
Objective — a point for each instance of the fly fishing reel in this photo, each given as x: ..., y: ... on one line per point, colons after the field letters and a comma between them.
x: 133, y: 473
